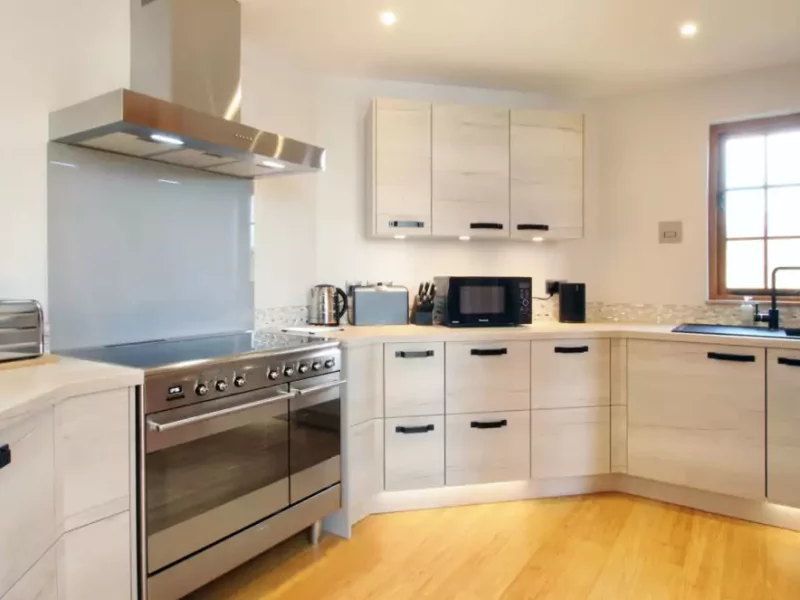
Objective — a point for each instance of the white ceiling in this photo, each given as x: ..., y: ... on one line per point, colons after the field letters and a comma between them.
x: 588, y: 47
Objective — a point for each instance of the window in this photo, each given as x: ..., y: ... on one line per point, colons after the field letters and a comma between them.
x: 754, y: 206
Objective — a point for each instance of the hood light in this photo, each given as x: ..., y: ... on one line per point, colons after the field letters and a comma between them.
x: 166, y: 139
x: 272, y: 164
x: 537, y: 239
x: 399, y: 237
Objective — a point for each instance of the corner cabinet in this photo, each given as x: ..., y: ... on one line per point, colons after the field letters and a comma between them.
x: 401, y: 168
x: 783, y: 427
x: 546, y: 175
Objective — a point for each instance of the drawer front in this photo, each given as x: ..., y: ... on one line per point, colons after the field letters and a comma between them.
x: 487, y: 376
x: 414, y: 379
x: 27, y: 495
x: 570, y: 373
x: 570, y: 442
x: 783, y: 427
x: 487, y: 447
x: 414, y: 453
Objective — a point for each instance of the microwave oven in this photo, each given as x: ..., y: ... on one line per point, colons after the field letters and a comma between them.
x: 482, y: 301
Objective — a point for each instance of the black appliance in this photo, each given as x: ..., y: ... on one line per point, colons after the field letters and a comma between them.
x: 482, y: 301
x: 572, y: 303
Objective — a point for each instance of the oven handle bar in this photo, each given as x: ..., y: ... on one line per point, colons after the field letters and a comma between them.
x: 318, y: 388
x: 153, y: 426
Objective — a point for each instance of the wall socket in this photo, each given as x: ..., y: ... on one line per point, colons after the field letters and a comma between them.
x: 670, y: 232
x: 552, y: 286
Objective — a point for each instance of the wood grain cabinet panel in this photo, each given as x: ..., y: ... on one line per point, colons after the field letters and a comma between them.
x: 570, y: 442
x: 363, y: 476
x: 619, y: 439
x: 362, y: 368
x: 27, y: 496
x: 414, y: 379
x: 470, y: 171
x: 487, y: 376
x: 39, y: 583
x: 546, y: 174
x: 487, y: 447
x: 570, y: 373
x: 402, y: 168
x: 696, y: 416
x: 414, y: 453
x: 783, y: 427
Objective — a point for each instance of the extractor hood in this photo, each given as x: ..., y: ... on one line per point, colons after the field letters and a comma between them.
x: 184, y: 106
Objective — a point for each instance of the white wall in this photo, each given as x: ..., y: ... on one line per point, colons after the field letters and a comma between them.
x: 653, y: 165
x: 52, y: 53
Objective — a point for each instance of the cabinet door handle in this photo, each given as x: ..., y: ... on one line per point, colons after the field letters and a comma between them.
x: 789, y: 362
x: 420, y: 354
x: 407, y: 430
x: 571, y: 349
x: 489, y: 352
x: 412, y: 224
x: 486, y: 226
x: 5, y: 456
x: 732, y: 357
x: 532, y: 227
x: 488, y: 424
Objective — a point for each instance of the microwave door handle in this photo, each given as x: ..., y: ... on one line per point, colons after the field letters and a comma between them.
x: 156, y: 426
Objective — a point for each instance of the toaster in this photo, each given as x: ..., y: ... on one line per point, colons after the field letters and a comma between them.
x: 379, y: 304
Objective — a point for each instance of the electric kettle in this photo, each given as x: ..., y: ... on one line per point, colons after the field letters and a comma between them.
x: 327, y: 305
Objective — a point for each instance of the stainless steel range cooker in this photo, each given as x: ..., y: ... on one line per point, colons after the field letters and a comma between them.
x: 239, y: 448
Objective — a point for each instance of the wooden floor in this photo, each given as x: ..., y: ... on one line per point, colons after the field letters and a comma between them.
x: 600, y: 547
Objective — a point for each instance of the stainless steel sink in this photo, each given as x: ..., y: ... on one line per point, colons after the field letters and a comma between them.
x: 738, y: 330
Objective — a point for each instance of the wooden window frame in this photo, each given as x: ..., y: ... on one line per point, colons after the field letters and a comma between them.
x: 716, y: 221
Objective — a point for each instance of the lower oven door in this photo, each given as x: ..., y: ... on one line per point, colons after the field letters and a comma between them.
x: 315, y: 435
x: 212, y: 469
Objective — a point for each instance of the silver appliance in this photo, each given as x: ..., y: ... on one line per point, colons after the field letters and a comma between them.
x: 379, y: 304
x: 21, y: 329
x: 239, y: 449
x: 327, y: 304
x: 185, y: 103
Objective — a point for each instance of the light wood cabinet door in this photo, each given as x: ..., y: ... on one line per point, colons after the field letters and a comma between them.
x: 39, y: 583
x: 363, y: 475
x: 27, y: 496
x: 696, y: 416
x: 414, y: 379
x: 487, y: 376
x: 570, y: 373
x: 783, y: 427
x: 402, y: 168
x: 414, y: 453
x: 570, y: 442
x: 487, y: 447
x: 470, y: 171
x: 546, y: 174
x: 362, y: 368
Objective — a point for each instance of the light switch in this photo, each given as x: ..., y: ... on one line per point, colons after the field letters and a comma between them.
x: 670, y: 232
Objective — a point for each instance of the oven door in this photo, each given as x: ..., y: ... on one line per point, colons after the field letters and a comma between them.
x: 212, y: 469
x: 315, y: 435
x: 483, y: 302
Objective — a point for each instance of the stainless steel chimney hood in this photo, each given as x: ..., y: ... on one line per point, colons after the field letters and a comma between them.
x: 186, y: 63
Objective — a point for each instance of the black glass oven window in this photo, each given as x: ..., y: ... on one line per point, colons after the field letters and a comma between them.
x: 482, y: 300
x: 315, y: 433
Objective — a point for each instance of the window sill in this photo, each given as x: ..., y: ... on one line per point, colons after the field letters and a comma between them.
x: 759, y: 301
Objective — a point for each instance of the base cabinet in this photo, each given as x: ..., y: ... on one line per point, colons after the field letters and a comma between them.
x: 414, y: 453
x: 570, y: 442
x: 39, y: 583
x: 783, y: 427
x: 696, y: 416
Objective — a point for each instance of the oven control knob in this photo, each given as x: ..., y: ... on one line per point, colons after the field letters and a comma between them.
x: 288, y: 371
x: 273, y: 375
x: 201, y: 389
x: 329, y: 363
x: 317, y: 365
x: 222, y: 385
x: 303, y: 369
x: 239, y: 381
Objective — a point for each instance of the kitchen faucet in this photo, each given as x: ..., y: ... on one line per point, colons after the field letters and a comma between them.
x: 773, y: 317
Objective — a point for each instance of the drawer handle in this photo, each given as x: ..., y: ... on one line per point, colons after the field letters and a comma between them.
x: 413, y: 224
x: 571, y: 349
x: 420, y: 354
x: 486, y: 226
x: 489, y: 352
x: 789, y: 362
x: 5, y: 456
x: 488, y: 424
x: 732, y: 357
x: 421, y: 429
x: 532, y: 227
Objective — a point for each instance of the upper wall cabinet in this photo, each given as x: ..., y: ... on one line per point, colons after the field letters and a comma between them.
x: 546, y: 175
x: 401, y: 168
x: 470, y: 171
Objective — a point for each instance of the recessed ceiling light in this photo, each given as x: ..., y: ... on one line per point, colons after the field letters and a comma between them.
x: 399, y: 237
x: 537, y: 239
x: 388, y: 18
x: 464, y: 238
x: 166, y: 139
x: 689, y: 29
